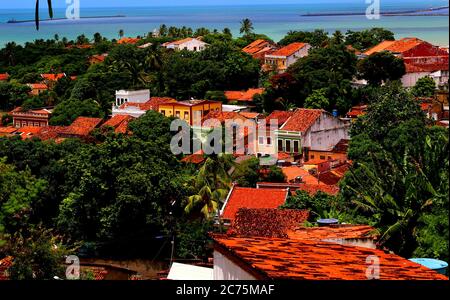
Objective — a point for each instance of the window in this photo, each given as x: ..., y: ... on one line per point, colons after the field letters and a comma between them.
x: 163, y: 112
x: 322, y: 157
x: 269, y: 141
x: 261, y: 140
x: 186, y: 115
x: 288, y: 146
x: 280, y: 145
x: 312, y: 156
x: 177, y: 113
x: 296, y: 146
x: 195, y: 48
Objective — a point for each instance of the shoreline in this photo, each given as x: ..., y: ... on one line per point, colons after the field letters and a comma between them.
x: 59, y: 19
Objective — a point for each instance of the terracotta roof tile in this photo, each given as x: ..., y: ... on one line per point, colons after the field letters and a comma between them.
x: 280, y: 116
x: 333, y: 232
x: 119, y: 123
x: 241, y: 197
x: 302, y: 119
x: 7, y: 130
x: 274, y: 258
x: 243, y: 95
x: 289, y: 49
x: 38, y: 86
x: 128, y: 40
x: 53, y: 77
x: 267, y: 222
x: 82, y: 126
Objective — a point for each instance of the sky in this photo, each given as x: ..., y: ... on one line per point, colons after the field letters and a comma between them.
x: 5, y: 4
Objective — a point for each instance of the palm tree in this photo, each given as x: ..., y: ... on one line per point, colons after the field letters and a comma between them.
x: 246, y: 27
x: 50, y: 12
x: 163, y: 30
x: 213, y: 182
x: 121, y: 33
x: 397, y: 192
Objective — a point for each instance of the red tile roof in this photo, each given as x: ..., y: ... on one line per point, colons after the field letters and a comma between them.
x: 53, y: 77
x: 250, y: 115
x: 152, y: 104
x: 289, y: 49
x: 280, y: 116
x: 246, y: 96
x: 222, y: 116
x: 267, y: 222
x: 274, y: 258
x: 179, y: 42
x: 4, y: 76
x: 334, y: 176
x: 50, y: 132
x: 357, y: 111
x: 194, y: 159
x: 119, y: 123
x: 403, y: 46
x: 128, y: 40
x: 302, y: 119
x: 7, y: 130
x: 82, y: 126
x: 425, y: 68
x: 334, y: 232
x: 38, y: 86
x: 27, y: 132
x: 259, y: 48
x: 241, y: 197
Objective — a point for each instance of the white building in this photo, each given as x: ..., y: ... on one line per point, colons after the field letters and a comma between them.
x: 140, y: 96
x: 131, y: 103
x: 190, y: 44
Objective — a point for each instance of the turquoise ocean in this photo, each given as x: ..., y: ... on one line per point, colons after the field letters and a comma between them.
x: 273, y: 20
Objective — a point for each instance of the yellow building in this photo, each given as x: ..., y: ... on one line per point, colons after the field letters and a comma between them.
x: 192, y: 111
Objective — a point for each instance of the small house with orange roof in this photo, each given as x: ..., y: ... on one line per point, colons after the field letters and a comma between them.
x: 37, y: 88
x: 97, y: 58
x: 189, y: 44
x: 311, y: 129
x: 34, y: 117
x: 281, y: 59
x: 243, y: 97
x: 259, y: 48
x: 421, y: 59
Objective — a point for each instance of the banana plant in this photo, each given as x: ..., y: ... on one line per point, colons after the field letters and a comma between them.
x: 50, y: 12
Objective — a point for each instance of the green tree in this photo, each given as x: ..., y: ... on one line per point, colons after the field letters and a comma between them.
x: 381, y: 67
x: 365, y: 39
x: 424, y: 87
x: 121, y: 33
x: 317, y: 100
x: 37, y: 253
x: 316, y: 38
x: 212, y: 184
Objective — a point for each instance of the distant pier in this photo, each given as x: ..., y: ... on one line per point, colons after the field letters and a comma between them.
x: 420, y: 12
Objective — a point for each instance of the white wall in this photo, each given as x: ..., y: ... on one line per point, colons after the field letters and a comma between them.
x: 140, y: 96
x: 410, y: 79
x: 130, y: 111
x: 192, y: 45
x: 225, y: 269
x: 325, y: 133
x: 299, y: 54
